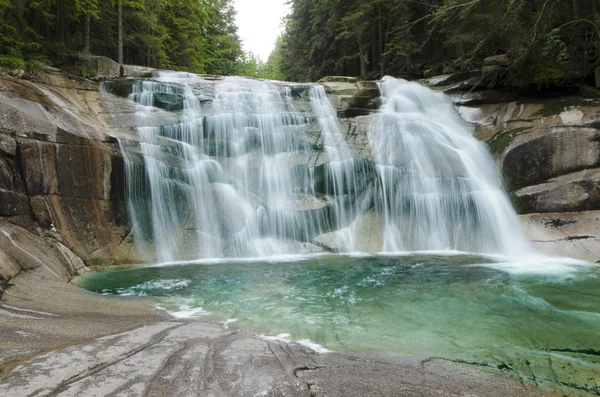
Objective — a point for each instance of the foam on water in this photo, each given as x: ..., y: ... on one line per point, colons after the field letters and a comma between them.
x: 285, y: 338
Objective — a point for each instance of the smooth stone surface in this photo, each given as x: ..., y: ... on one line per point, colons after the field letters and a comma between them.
x: 573, y: 234
x: 578, y: 191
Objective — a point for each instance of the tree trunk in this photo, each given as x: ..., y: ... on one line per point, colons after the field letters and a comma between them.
x: 576, y: 10
x: 364, y: 61
x: 120, y: 30
x: 86, y: 32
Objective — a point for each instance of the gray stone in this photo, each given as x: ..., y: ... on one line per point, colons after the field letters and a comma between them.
x: 572, y: 234
x: 341, y: 88
x: 495, y: 64
x: 338, y: 79
x: 453, y: 78
x: 497, y: 60
x: 536, y: 157
x: 137, y: 71
x: 13, y: 204
x: 31, y: 252
x: 578, y: 191
x: 91, y: 66
x: 8, y: 145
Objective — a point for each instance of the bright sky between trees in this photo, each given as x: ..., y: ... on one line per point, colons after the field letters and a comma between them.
x: 259, y: 23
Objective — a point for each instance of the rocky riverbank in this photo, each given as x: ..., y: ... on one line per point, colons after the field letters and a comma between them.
x: 57, y: 340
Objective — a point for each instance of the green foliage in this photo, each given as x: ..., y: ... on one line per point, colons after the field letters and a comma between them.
x: 10, y: 63
x: 549, y: 42
x: 193, y: 35
x: 554, y: 48
x: 36, y: 66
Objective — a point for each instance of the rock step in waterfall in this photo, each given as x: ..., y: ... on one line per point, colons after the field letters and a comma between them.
x: 258, y: 168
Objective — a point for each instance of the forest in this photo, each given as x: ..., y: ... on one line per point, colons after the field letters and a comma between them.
x: 194, y: 35
x: 544, y: 43
x: 547, y: 42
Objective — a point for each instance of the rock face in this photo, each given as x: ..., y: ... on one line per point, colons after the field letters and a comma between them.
x: 61, y: 176
x: 61, y: 168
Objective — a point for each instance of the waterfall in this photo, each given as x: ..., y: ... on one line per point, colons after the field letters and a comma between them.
x: 249, y: 168
x: 439, y: 186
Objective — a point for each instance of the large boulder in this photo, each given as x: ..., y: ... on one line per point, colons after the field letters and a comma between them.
x: 578, y: 191
x: 549, y: 153
x: 536, y: 157
x: 21, y: 250
x: 91, y: 66
x: 496, y: 64
x: 137, y: 71
x: 352, y: 97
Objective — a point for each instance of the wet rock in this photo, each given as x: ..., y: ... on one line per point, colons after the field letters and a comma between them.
x: 453, y: 78
x: 578, y: 191
x: 359, y: 171
x: 119, y: 87
x: 353, y: 98
x: 13, y: 204
x: 573, y: 234
x: 365, y: 237
x: 169, y: 101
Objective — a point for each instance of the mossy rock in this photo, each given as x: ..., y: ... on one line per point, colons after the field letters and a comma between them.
x: 119, y: 87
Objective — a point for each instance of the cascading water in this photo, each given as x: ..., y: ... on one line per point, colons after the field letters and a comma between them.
x: 242, y: 175
x: 223, y: 182
x: 439, y: 186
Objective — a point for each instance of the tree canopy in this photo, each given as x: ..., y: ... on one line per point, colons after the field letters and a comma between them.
x: 548, y: 42
x: 194, y: 35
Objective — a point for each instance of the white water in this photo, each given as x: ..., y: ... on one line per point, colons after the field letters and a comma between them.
x: 439, y: 186
x: 237, y: 177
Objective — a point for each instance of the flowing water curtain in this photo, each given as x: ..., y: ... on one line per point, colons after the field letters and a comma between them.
x: 225, y: 173
x: 242, y: 173
x: 439, y: 186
